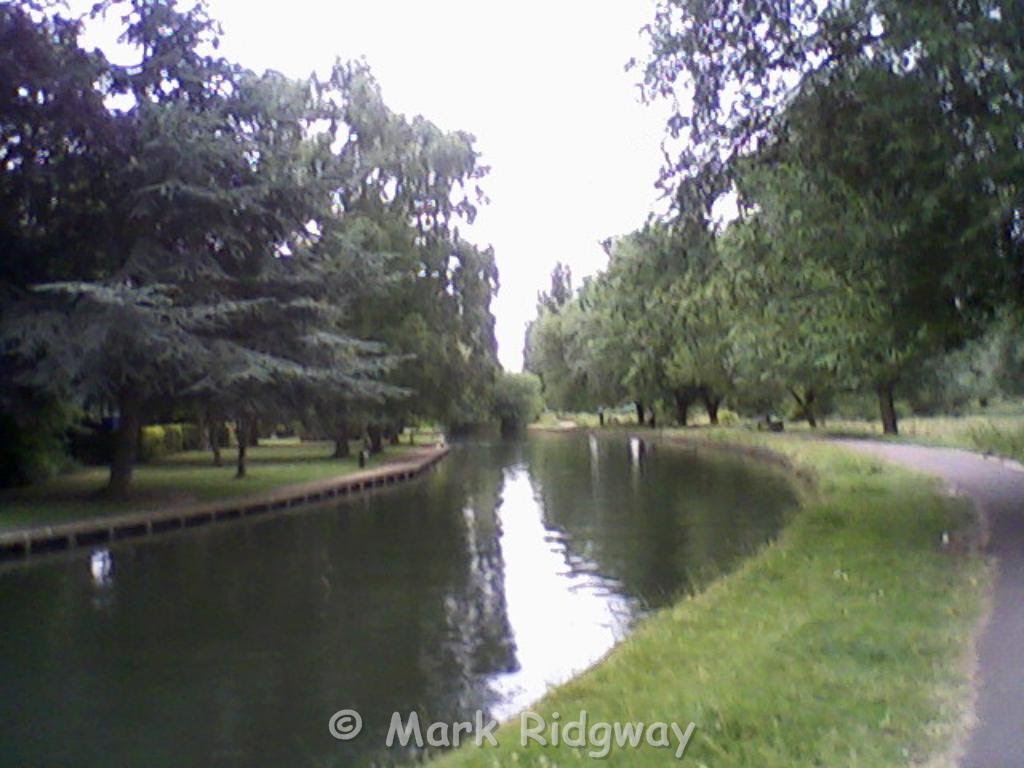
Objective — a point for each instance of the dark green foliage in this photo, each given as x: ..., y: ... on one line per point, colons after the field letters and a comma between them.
x: 874, y: 153
x: 159, y: 440
x: 741, y: 61
x: 59, y: 148
x: 227, y: 242
x: 517, y: 401
x: 32, y: 438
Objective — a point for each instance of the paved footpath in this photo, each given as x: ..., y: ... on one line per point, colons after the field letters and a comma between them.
x: 997, y: 489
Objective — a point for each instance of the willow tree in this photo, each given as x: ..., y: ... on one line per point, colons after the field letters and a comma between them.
x: 912, y: 111
x: 731, y: 67
x: 401, y: 188
x: 882, y: 229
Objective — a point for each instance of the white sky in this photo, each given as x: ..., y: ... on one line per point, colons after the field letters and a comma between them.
x: 573, y: 154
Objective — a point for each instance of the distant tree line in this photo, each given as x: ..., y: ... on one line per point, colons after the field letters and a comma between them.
x: 185, y: 238
x: 874, y: 153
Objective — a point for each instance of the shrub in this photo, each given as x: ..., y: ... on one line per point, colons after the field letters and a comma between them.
x: 191, y: 440
x: 728, y: 418
x: 226, y: 434
x: 92, y: 442
x: 32, y: 442
x: 517, y: 400
x: 151, y: 442
x: 159, y: 440
x: 172, y: 438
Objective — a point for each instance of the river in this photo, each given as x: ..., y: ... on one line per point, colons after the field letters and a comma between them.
x: 510, y: 568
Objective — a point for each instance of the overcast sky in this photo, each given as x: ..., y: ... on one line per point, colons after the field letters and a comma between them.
x: 574, y: 154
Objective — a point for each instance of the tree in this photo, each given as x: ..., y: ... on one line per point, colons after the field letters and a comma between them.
x: 886, y: 219
x: 732, y: 66
x: 561, y: 292
x: 517, y: 401
x: 786, y: 334
x: 57, y: 144
x: 912, y: 112
x: 250, y: 232
x: 410, y: 281
x: 550, y: 355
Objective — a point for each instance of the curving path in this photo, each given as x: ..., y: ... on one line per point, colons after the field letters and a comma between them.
x: 997, y: 488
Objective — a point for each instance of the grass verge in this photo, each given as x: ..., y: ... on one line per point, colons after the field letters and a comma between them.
x: 1001, y: 435
x: 182, y: 478
x: 845, y: 642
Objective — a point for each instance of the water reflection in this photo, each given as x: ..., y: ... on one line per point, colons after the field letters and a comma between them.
x: 595, y: 458
x: 101, y: 567
x: 637, y: 450
x: 564, y: 614
x: 507, y: 570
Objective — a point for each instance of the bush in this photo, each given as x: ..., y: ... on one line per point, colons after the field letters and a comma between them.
x: 151, y: 442
x: 517, y: 401
x: 727, y: 418
x: 92, y: 442
x: 191, y: 440
x: 32, y: 443
x: 226, y: 434
x: 289, y: 429
x: 159, y: 440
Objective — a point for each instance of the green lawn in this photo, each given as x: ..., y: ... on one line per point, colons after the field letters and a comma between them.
x: 1000, y: 434
x: 844, y: 643
x: 179, y: 479
x: 549, y: 420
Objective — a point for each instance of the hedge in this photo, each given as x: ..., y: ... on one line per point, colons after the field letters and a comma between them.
x: 159, y: 440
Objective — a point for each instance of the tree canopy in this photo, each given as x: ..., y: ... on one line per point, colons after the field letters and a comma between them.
x: 874, y: 154
x: 186, y: 233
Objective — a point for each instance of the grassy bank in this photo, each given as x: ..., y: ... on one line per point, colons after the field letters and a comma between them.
x: 182, y: 478
x: 843, y: 643
x: 1002, y: 435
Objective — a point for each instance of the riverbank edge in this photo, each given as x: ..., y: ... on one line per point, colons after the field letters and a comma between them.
x: 960, y: 442
x: 936, y: 744
x: 25, y: 542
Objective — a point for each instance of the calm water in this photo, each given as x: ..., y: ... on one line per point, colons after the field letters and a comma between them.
x: 505, y: 571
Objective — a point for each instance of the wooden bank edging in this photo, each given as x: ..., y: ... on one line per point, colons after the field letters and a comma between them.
x: 111, y: 528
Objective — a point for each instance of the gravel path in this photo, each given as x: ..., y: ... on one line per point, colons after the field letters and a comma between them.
x: 997, y: 488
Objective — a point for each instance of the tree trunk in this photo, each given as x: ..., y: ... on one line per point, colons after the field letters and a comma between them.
x: 126, y: 441
x: 600, y: 417
x: 639, y: 412
x: 241, y: 427
x: 711, y: 404
x: 396, y: 435
x: 683, y: 402
x: 806, y: 406
x: 203, y: 428
x: 214, y: 432
x: 341, y: 447
x: 888, y: 409
x: 374, y: 432
x: 812, y: 420
x: 254, y: 433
